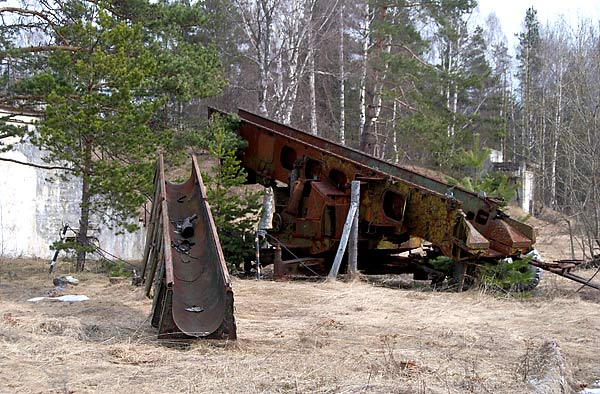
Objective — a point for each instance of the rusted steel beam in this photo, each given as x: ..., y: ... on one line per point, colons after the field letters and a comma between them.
x: 211, y: 224
x: 579, y: 279
x: 396, y: 202
x: 470, y: 201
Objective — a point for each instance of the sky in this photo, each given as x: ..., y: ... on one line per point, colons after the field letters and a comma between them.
x: 511, y: 13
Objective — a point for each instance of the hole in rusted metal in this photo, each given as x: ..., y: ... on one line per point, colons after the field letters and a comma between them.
x: 338, y: 178
x: 288, y: 157
x: 313, y: 169
x: 482, y: 217
x: 470, y: 215
x: 393, y: 205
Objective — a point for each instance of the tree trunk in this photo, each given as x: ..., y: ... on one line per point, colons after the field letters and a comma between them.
x: 557, y: 126
x: 371, y: 142
x: 449, y: 71
x: 394, y: 134
x: 366, y: 30
x: 266, y: 56
x: 540, y: 148
x: 342, y: 78
x: 84, y: 218
x: 311, y: 77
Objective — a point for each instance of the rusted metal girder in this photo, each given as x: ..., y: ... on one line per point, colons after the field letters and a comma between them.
x: 184, y: 261
x: 396, y: 202
x: 564, y: 268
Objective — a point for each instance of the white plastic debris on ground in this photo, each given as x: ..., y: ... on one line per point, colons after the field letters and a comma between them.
x: 62, y: 281
x: 63, y: 298
x: 593, y: 389
x: 71, y: 280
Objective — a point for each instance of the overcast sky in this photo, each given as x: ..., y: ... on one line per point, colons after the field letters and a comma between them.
x: 511, y: 13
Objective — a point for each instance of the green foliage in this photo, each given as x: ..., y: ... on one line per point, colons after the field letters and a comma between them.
x: 234, y: 209
x: 524, y: 219
x: 515, y: 276
x: 8, y: 130
x: 518, y: 275
x: 216, y: 137
x: 474, y: 160
x: 497, y: 184
x: 98, y: 115
x: 115, y: 268
x: 443, y: 264
x: 445, y: 103
x: 111, y: 81
x: 71, y: 245
x: 492, y: 183
x: 529, y: 45
x: 111, y: 93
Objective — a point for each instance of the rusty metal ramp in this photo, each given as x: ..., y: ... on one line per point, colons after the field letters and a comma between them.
x: 396, y: 202
x: 184, y: 262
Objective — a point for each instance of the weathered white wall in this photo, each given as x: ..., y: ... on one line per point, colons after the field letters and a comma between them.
x: 527, y: 187
x: 518, y: 175
x: 33, y: 210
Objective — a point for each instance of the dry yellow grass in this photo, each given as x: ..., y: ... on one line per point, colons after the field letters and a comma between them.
x: 293, y: 337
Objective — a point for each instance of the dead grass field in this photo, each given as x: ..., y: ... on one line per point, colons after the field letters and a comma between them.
x: 296, y: 337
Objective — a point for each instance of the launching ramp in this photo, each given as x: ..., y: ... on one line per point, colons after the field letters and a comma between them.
x: 184, y: 263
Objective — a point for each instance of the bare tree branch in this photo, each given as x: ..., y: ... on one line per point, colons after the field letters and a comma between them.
x: 37, y: 165
x: 41, y: 15
x: 48, y: 48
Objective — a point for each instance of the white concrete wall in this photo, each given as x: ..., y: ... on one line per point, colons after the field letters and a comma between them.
x: 496, y: 156
x: 33, y: 210
x: 528, y: 184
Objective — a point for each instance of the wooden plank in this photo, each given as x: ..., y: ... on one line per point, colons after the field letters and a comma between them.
x: 154, y: 263
x: 151, y: 226
x: 152, y: 251
x: 157, y: 302
x: 166, y: 325
x: 168, y: 256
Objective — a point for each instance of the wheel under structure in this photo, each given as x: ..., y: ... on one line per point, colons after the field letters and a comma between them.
x: 536, y: 277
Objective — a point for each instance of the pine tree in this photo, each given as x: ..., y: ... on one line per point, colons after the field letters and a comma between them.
x: 234, y: 208
x: 482, y: 101
x: 529, y: 60
x: 107, y: 87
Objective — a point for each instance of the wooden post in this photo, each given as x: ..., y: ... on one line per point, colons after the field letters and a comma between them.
x: 155, y: 261
x: 352, y: 213
x: 353, y: 241
x: 151, y: 226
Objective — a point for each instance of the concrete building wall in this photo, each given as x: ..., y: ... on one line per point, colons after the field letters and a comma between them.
x: 518, y: 173
x: 528, y: 187
x: 33, y: 209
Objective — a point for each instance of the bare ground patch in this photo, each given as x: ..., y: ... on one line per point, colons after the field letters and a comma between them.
x: 295, y: 337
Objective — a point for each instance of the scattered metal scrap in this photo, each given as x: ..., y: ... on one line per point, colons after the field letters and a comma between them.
x: 564, y: 268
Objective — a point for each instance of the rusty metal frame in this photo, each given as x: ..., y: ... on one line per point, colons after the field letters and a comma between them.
x: 462, y: 224
x: 192, y: 288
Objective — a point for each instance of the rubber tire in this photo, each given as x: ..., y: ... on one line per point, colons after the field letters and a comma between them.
x: 535, y: 281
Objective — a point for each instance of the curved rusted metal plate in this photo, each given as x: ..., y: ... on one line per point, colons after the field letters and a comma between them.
x: 199, y: 283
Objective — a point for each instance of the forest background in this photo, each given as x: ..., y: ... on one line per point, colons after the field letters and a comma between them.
x: 412, y: 82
